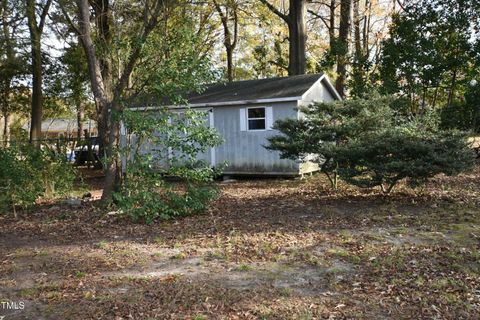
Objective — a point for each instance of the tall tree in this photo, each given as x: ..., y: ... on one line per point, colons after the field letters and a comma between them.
x: 343, y: 45
x: 11, y: 64
x: 36, y: 24
x: 328, y: 20
x: 153, y: 51
x: 230, y: 36
x: 108, y: 95
x: 295, y: 20
x: 430, y: 54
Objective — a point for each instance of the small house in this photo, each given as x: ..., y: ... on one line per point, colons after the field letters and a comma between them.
x: 66, y: 128
x: 243, y: 112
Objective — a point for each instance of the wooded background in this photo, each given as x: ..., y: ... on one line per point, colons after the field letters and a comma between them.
x: 87, y: 58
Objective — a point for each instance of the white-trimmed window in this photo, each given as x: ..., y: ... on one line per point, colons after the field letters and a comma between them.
x: 256, y: 118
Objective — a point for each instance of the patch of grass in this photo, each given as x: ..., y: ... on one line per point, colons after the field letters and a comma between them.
x: 28, y: 293
x: 264, y: 312
x: 264, y: 249
x: 442, y: 283
x: 215, y: 255
x: 178, y: 256
x: 304, y: 314
x: 400, y: 231
x: 135, y: 278
x: 420, y: 281
x: 346, y: 237
x: 80, y: 274
x: 64, y: 216
x: 23, y: 253
x: 243, y: 268
x: 307, y: 257
x: 42, y: 253
x: 159, y: 240
x: 177, y: 245
x: 344, y: 254
x: 285, y: 292
x: 101, y: 244
x: 374, y: 237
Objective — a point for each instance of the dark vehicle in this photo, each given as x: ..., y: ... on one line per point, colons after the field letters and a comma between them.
x: 88, y: 152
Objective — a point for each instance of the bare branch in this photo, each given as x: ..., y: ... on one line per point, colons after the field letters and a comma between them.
x: 323, y: 19
x: 69, y: 20
x: 285, y: 17
x: 43, y: 16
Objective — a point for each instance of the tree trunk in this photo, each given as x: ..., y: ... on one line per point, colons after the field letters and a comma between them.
x: 229, y: 41
x: 331, y: 28
x: 6, y: 128
x: 36, y: 30
x: 95, y: 72
x: 296, y: 34
x: 37, y: 94
x: 230, y: 64
x: 80, y: 117
x: 112, y: 168
x: 297, y: 38
x: 451, y: 93
x: 366, y: 25
x: 343, y: 38
x: 107, y: 95
x: 424, y: 97
x: 435, y: 95
x: 356, y: 29
x: 10, y: 57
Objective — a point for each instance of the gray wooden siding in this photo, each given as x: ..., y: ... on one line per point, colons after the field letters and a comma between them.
x: 318, y: 92
x: 162, y: 154
x: 243, y: 150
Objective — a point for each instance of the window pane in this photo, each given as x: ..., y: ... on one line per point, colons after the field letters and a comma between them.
x: 256, y: 124
x: 256, y: 113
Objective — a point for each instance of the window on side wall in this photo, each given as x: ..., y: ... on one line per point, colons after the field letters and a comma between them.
x: 256, y: 119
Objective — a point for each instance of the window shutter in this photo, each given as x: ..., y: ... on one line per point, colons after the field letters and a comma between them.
x: 269, y: 118
x: 243, y: 119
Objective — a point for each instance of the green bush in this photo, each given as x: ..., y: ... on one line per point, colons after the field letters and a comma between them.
x: 324, y: 127
x: 388, y: 156
x: 28, y: 173
x: 148, y: 191
x: 463, y: 115
x: 459, y: 116
x: 373, y: 142
x: 20, y: 184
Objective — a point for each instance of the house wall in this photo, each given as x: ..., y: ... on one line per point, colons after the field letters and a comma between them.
x: 162, y: 154
x: 243, y: 150
x: 317, y: 92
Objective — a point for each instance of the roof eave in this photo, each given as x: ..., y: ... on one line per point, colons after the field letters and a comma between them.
x: 222, y: 103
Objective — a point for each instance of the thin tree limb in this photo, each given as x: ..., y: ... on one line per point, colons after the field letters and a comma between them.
x: 285, y: 17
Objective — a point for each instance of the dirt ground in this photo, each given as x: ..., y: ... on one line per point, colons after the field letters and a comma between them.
x: 267, y: 249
